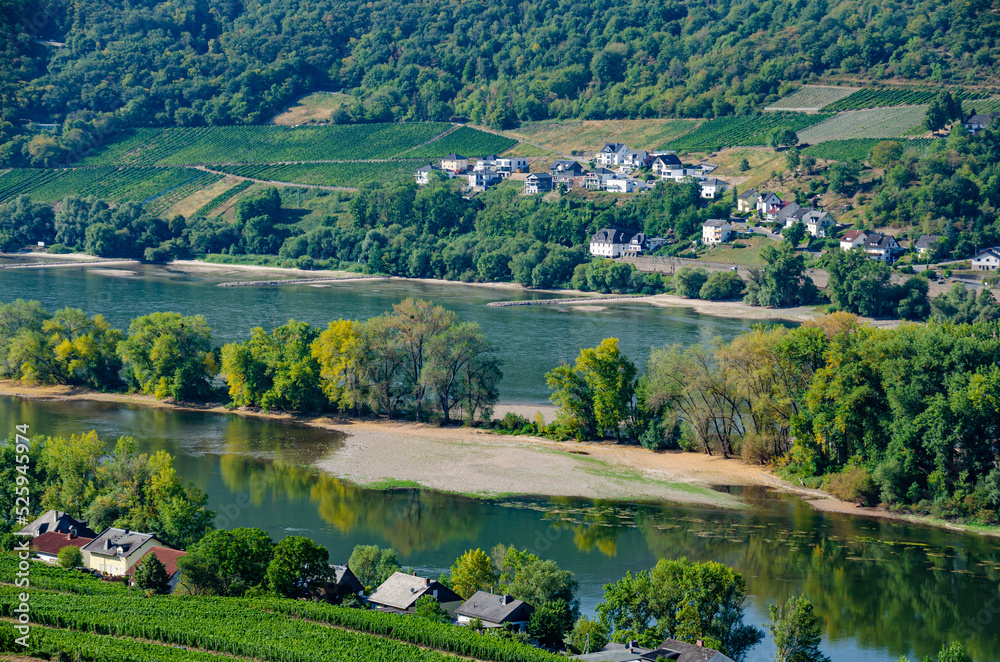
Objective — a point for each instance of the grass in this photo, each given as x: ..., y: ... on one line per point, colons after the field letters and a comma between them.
x: 762, y: 163
x: 858, y: 149
x: 811, y: 98
x: 742, y: 131
x: 728, y: 254
x: 878, y: 98
x: 524, y: 149
x: 315, y: 107
x: 387, y: 484
x: 568, y: 136
x: 873, y: 123
x: 465, y: 141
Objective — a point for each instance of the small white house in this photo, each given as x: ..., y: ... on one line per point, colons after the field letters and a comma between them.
x: 612, y: 154
x: 987, y: 259
x: 508, y: 165
x: 682, y: 174
x: 881, y: 246
x: 640, y: 242
x: 609, y: 242
x: 713, y: 188
x: 765, y: 200
x: 598, y: 179
x: 716, y: 231
x: 624, y: 185
x: 817, y: 222
x: 484, y: 178
x: 925, y: 243
x: 423, y: 175
x: 666, y: 162
x: 853, y: 239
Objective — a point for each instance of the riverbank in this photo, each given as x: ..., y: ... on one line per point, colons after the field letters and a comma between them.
x: 385, y: 454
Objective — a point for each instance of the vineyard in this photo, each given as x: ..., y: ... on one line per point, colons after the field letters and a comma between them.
x: 858, y: 149
x: 811, y: 98
x: 878, y: 98
x: 742, y: 131
x: 262, y: 629
x: 351, y: 175
x: 873, y: 123
x: 158, y: 188
x: 465, y: 141
x: 222, y: 197
x: 264, y: 144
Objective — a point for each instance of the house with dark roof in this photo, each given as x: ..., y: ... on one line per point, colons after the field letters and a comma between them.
x: 716, y: 231
x: 399, y: 594
x: 671, y: 649
x: 495, y: 611
x: 114, y: 551
x: 455, y: 162
x: 987, y: 259
x: 47, y: 546
x: 665, y: 162
x: 978, y: 122
x: 612, y: 154
x: 881, y: 246
x: 817, y: 222
x: 483, y: 179
x: 598, y: 179
x: 342, y: 583
x: 767, y: 199
x: 609, y: 242
x: 853, y: 239
x: 925, y: 243
x: 747, y: 201
x: 58, y: 522
x: 537, y: 182
x: 566, y: 167
x: 168, y: 557
x: 780, y: 212
x: 641, y: 242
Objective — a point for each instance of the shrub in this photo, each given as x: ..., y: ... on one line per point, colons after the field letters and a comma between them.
x: 70, y: 557
x: 688, y: 281
x: 722, y: 285
x: 853, y: 484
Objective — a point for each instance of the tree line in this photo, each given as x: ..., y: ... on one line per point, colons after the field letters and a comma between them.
x: 415, y: 359
x: 904, y: 417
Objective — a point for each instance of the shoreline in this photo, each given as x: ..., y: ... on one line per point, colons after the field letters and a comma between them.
x: 482, y: 464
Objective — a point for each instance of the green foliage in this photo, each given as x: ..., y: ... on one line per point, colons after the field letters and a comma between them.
x: 464, y: 140
x: 782, y: 282
x: 534, y: 580
x: 352, y: 174
x: 372, y: 565
x: 794, y: 233
x: 151, y: 575
x: 588, y: 635
x: 227, y: 563
x: 229, y: 193
x: 169, y: 355
x: 873, y: 97
x: 773, y: 129
x: 471, y: 572
x: 688, y: 281
x: 954, y: 652
x: 299, y: 566
x: 429, y: 608
x: 722, y: 285
x: 70, y: 557
x: 796, y: 631
x: 550, y: 622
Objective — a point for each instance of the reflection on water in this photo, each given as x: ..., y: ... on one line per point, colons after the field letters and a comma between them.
x: 881, y: 588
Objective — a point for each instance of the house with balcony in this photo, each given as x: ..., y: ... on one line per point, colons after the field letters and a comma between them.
x: 716, y: 231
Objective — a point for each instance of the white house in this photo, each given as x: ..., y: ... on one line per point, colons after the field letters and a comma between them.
x: 666, y: 162
x: 636, y: 158
x: 713, y: 188
x: 537, y: 182
x: 455, y: 162
x: 609, y: 242
x: 508, y: 165
x: 817, y: 222
x: 612, y: 154
x: 977, y: 123
x: 596, y: 180
x: 423, y: 175
x: 987, y: 259
x: 484, y: 178
x: 681, y: 174
x: 640, y: 242
x: 622, y: 185
x: 765, y: 200
x: 853, y: 239
x: 716, y: 231
x: 781, y: 212
x: 881, y: 246
x: 925, y: 242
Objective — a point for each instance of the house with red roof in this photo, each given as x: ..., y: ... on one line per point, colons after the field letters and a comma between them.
x: 168, y: 557
x: 47, y: 545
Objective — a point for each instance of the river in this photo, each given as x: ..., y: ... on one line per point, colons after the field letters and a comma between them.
x: 882, y: 589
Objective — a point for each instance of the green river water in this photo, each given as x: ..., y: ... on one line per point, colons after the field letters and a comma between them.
x: 881, y: 588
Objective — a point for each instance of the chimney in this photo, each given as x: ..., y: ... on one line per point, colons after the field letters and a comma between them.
x: 699, y: 643
x: 427, y: 581
x: 632, y: 644
x: 504, y: 599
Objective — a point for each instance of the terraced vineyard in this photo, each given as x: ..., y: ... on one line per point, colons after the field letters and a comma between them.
x: 878, y: 98
x: 812, y: 98
x: 858, y: 149
x: 265, y: 144
x: 465, y: 141
x: 872, y: 123
x: 207, y: 208
x: 157, y: 187
x: 742, y: 131
x: 352, y: 175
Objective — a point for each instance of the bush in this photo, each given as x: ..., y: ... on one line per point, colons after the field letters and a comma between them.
x: 688, y: 281
x: 853, y: 484
x: 70, y: 557
x: 722, y: 285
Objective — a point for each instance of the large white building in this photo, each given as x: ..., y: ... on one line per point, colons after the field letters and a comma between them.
x: 609, y: 242
x: 716, y: 231
x: 987, y: 259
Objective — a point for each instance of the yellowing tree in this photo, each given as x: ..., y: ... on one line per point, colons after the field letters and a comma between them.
x: 473, y: 571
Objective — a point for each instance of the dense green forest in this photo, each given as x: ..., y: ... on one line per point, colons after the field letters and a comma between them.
x: 199, y: 62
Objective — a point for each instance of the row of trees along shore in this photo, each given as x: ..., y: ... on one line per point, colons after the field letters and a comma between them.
x: 905, y: 417
x: 417, y: 358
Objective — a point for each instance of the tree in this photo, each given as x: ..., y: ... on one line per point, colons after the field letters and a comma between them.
x: 169, y: 355
x: 782, y: 282
x: 794, y: 233
x: 449, y: 353
x: 372, y: 565
x: 954, y: 652
x: 886, y: 153
x: 793, y: 158
x: 227, y: 562
x: 337, y: 350
x: 780, y: 137
x: 428, y: 607
x: 550, y: 622
x: 936, y: 117
x: 722, y: 285
x: 299, y: 565
x: 535, y: 580
x: 416, y: 322
x: 588, y: 635
x: 72, y: 466
x: 857, y: 284
x: 688, y: 281
x: 471, y: 572
x: 70, y: 557
x: 844, y: 177
x: 796, y: 631
x: 151, y: 575
x: 744, y: 165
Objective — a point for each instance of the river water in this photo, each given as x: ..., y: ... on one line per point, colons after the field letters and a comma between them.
x: 882, y: 589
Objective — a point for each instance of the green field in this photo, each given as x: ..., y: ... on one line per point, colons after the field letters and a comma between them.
x: 872, y: 123
x: 157, y: 187
x: 743, y: 131
x: 465, y: 141
x: 811, y: 98
x: 264, y: 144
x: 570, y: 136
x: 878, y: 98
x: 329, y: 174
x: 858, y: 149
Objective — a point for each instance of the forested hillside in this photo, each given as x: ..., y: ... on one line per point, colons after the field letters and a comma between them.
x: 194, y: 62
